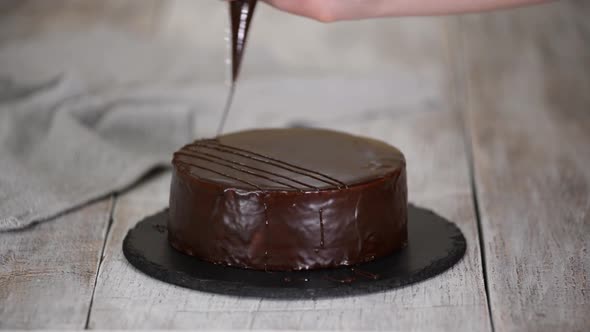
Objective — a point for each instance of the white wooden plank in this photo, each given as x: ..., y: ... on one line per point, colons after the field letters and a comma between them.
x: 529, y: 110
x: 454, y: 301
x: 47, y: 272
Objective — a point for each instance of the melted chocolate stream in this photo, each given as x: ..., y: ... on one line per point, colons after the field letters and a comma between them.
x: 240, y: 12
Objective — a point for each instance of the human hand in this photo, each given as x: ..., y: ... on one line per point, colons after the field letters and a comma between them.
x: 337, y: 10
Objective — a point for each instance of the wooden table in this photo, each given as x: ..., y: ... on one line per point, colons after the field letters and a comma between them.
x: 498, y: 141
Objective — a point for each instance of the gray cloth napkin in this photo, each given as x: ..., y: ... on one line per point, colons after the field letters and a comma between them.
x: 63, y: 145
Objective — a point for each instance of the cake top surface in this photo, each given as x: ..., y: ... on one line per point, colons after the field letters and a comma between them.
x: 295, y: 159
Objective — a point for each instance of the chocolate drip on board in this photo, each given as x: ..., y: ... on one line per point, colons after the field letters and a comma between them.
x: 321, y: 228
x: 266, y: 232
x: 365, y: 274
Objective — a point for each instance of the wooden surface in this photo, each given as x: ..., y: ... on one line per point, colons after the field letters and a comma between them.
x: 48, y: 272
x: 491, y: 110
x: 529, y: 114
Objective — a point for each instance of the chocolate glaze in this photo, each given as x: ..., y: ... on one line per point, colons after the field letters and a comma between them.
x: 288, y: 199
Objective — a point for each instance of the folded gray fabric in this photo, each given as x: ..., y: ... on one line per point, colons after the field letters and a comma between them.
x: 63, y: 145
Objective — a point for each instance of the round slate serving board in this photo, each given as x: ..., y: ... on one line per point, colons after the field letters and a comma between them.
x: 434, y: 245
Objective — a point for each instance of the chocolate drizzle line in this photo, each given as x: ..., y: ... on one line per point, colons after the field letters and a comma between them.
x: 252, y: 167
x: 195, y: 155
x: 271, y: 161
x: 220, y: 173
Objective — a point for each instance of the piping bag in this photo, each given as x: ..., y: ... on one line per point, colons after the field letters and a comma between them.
x: 240, y: 13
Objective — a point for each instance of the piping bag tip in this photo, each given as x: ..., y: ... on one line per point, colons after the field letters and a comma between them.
x: 241, y: 12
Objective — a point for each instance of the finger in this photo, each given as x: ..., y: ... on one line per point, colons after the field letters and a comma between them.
x: 319, y: 10
x: 335, y: 10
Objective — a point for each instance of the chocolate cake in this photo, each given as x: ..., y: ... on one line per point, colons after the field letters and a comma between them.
x: 288, y: 199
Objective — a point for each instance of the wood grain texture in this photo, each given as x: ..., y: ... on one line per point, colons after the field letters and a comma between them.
x: 438, y: 179
x: 529, y: 114
x: 47, y: 272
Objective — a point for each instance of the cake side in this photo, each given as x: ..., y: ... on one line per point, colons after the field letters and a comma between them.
x: 288, y: 230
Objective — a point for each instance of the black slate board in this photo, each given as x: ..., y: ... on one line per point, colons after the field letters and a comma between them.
x: 434, y: 245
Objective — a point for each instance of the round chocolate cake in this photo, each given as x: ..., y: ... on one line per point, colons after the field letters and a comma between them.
x: 288, y: 199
